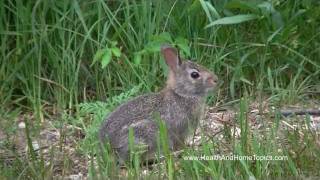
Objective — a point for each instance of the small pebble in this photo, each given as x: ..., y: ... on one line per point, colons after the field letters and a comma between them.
x: 22, y: 125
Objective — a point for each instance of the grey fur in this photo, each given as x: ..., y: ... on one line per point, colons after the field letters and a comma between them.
x: 180, y: 105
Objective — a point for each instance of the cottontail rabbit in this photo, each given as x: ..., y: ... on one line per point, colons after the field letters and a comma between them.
x: 180, y: 105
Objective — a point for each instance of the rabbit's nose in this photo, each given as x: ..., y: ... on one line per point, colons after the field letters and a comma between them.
x: 213, y: 79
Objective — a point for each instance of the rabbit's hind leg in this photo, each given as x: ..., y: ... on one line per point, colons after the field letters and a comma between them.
x: 128, y: 151
x: 144, y: 144
x: 145, y: 133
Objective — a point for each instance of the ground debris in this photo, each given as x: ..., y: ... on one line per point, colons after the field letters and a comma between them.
x: 58, y: 146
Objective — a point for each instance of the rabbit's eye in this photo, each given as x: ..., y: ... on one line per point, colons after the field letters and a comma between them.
x: 195, y: 75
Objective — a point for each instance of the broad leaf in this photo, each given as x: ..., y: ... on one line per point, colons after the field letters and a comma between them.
x: 137, y: 58
x: 164, y: 37
x: 116, y: 51
x: 98, y: 56
x: 233, y: 20
x: 154, y: 46
x: 106, y: 58
x: 183, y: 45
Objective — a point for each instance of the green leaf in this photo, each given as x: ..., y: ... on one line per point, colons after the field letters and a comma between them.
x: 116, y: 51
x: 194, y: 8
x: 137, y: 58
x: 183, y: 45
x: 114, y: 43
x: 156, y: 41
x: 233, y: 20
x: 268, y: 10
x: 245, y: 80
x: 106, y: 58
x: 210, y: 11
x: 213, y: 10
x: 98, y: 56
x: 154, y: 46
x: 270, y: 38
x: 164, y: 37
x: 206, y: 9
x: 242, y: 5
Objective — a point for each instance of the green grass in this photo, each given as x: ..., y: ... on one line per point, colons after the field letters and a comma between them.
x: 72, y: 62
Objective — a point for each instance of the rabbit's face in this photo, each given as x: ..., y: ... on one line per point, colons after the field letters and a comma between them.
x: 194, y: 80
x: 187, y: 78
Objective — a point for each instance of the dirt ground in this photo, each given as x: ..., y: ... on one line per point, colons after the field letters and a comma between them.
x: 63, y: 143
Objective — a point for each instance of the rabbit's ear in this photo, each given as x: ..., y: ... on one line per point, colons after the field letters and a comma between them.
x: 171, y: 55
